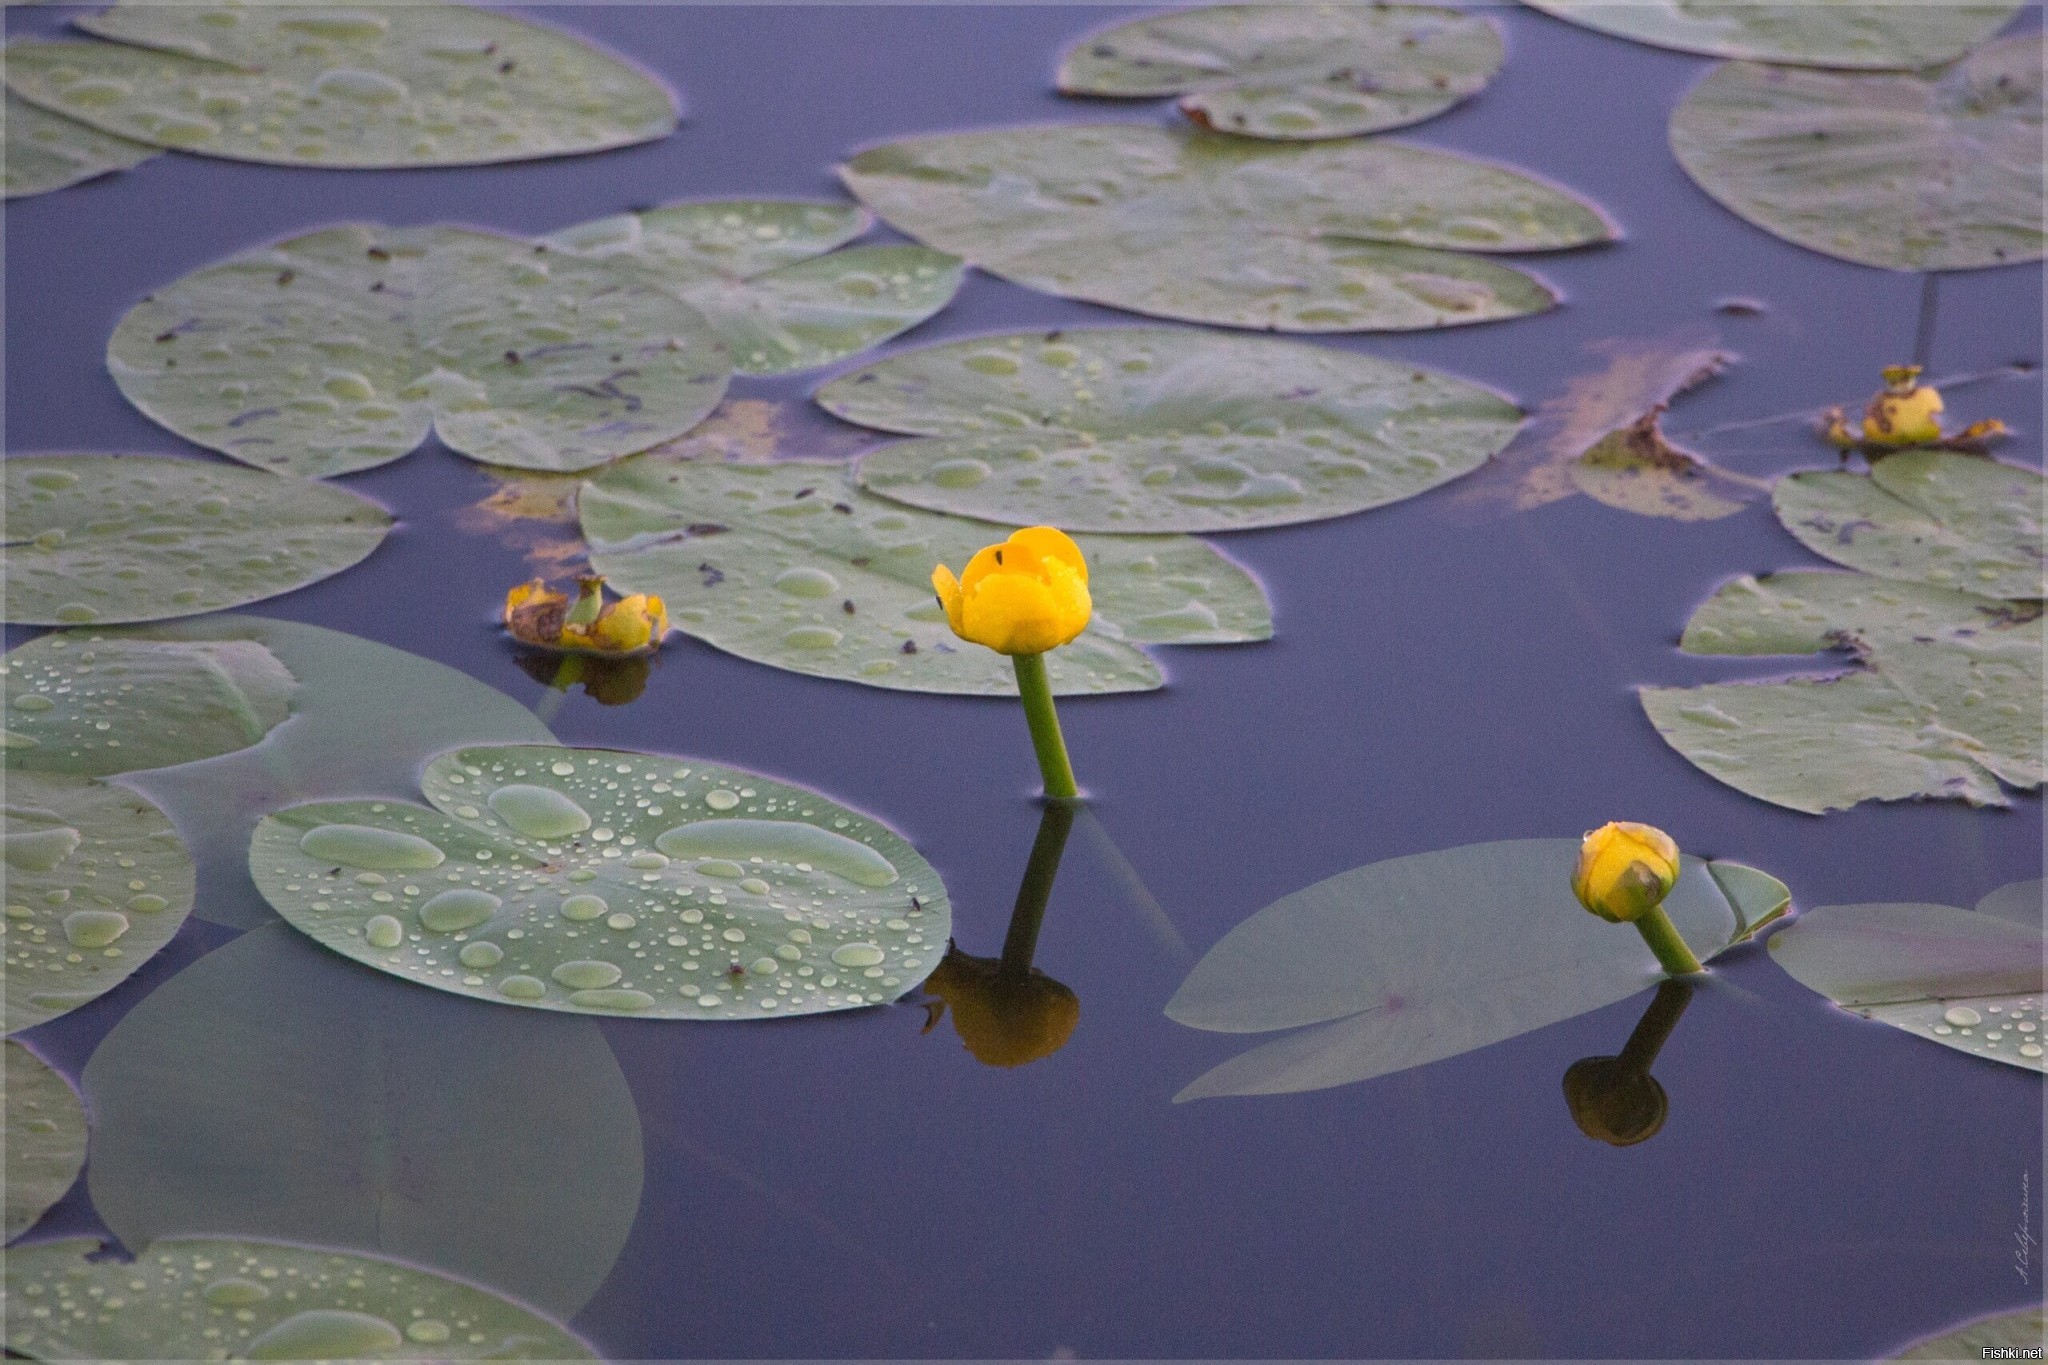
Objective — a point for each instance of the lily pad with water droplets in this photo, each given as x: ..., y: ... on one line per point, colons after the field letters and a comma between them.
x: 381, y: 86
x: 47, y: 151
x: 1404, y: 962
x: 1937, y: 170
x: 1293, y: 72
x: 209, y: 1298
x: 45, y: 1122
x: 791, y: 565
x: 1852, y: 34
x: 599, y: 881
x: 107, y: 538
x: 1152, y: 429
x: 1361, y: 235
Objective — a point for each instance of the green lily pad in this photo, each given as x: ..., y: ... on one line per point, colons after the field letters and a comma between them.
x: 272, y: 1088
x: 2022, y: 1330
x: 1152, y: 429
x: 790, y: 565
x: 1938, y: 170
x: 45, y: 1136
x: 200, y: 1298
x: 2022, y: 902
x: 1360, y: 235
x: 1965, y: 980
x: 47, y: 151
x: 1293, y: 71
x: 1946, y: 702
x: 340, y: 350
x: 1928, y: 516
x: 97, y: 881
x: 109, y: 538
x: 1852, y: 34
x: 380, y: 86
x: 767, y: 277
x: 605, y: 882
x: 1404, y: 962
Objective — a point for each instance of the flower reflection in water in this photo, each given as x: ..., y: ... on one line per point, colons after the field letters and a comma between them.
x: 1616, y: 1099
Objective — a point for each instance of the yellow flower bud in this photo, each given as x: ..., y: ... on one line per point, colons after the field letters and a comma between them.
x: 1906, y: 413
x: 630, y: 624
x: 537, y: 615
x: 1025, y: 596
x: 1625, y: 870
x: 1005, y: 1019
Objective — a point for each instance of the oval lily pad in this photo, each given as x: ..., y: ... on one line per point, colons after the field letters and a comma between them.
x: 1293, y: 72
x: 47, y: 151
x: 108, y: 538
x: 1150, y: 429
x: 1910, y: 171
x: 788, y: 564
x: 1362, y: 235
x: 599, y: 881
x: 1852, y: 34
x: 1995, y: 1336
x: 381, y: 86
x: 208, y: 1298
x: 45, y: 1136
x: 97, y: 881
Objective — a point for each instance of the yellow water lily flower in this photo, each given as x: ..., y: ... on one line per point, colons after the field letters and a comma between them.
x: 1024, y: 596
x: 1625, y: 870
x: 536, y: 614
x: 1004, y: 1017
x: 1906, y: 412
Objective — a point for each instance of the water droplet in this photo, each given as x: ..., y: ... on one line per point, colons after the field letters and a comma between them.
x: 427, y: 1329
x: 368, y: 846
x: 610, y: 1000
x: 521, y: 988
x: 960, y: 473
x: 94, y: 928
x: 584, y: 907
x: 459, y: 908
x: 784, y: 841
x: 1962, y: 1016
x: 234, y: 1292
x: 805, y: 582
x: 987, y: 363
x: 39, y: 850
x: 717, y: 800
x: 755, y: 885
x: 811, y: 637
x: 52, y: 480
x: 324, y: 1334
x: 481, y: 956
x: 77, y: 613
x: 539, y: 812
x: 857, y: 955
x: 649, y: 861
x: 147, y: 904
x: 584, y: 976
x: 33, y: 701
x: 563, y: 769
x: 366, y: 87
x: 348, y: 384
x: 384, y: 931
x: 2030, y: 1049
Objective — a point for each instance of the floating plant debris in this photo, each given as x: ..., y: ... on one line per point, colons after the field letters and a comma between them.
x: 1880, y: 36
x: 45, y: 1122
x: 47, y: 151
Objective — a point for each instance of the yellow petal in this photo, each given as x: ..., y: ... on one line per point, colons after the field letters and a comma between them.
x: 1624, y: 869
x: 948, y: 589
x: 1909, y: 419
x: 1024, y: 596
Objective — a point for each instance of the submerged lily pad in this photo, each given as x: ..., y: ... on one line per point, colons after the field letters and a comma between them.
x: 383, y: 85
x: 1837, y: 33
x: 108, y: 538
x: 1966, y: 980
x: 47, y: 151
x: 1293, y: 71
x: 605, y: 882
x: 1363, y: 235
x: 1928, y: 516
x: 209, y: 1298
x: 1947, y: 701
x: 1910, y: 171
x: 1415, y: 959
x: 790, y: 565
x: 342, y: 349
x: 97, y: 881
x: 1152, y: 429
x: 45, y: 1137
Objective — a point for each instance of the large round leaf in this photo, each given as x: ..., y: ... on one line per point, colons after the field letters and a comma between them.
x: 1312, y: 237
x: 47, y: 151
x: 1911, y: 171
x: 606, y: 882
x: 106, y: 538
x: 385, y: 85
x: 1156, y: 429
x: 1837, y: 33
x: 45, y: 1123
x: 2011, y: 1334
x: 1293, y: 71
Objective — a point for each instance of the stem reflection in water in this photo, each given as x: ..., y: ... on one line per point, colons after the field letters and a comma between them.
x: 1616, y: 1099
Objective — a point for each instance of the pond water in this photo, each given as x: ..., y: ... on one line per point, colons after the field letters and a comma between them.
x: 1442, y: 674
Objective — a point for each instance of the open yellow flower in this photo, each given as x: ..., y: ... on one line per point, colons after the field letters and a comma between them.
x: 536, y: 614
x: 1025, y: 596
x: 1625, y: 870
x: 1906, y: 412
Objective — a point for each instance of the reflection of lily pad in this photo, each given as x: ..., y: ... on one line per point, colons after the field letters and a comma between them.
x: 1412, y: 960
x: 386, y: 85
x: 204, y: 1298
x: 1836, y: 33
x: 97, y: 881
x: 1153, y: 429
x: 1930, y: 516
x: 1912, y: 171
x: 45, y: 1137
x: 274, y: 1089
x: 2019, y: 1331
x: 790, y: 565
x: 1947, y: 703
x: 1293, y: 71
x: 103, y: 538
x: 605, y: 882
x: 1638, y: 470
x: 1305, y: 237
x: 47, y: 151
x: 1965, y: 980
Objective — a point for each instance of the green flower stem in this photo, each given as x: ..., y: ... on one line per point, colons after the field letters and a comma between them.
x: 1036, y: 691
x: 1658, y: 931
x: 1021, y: 943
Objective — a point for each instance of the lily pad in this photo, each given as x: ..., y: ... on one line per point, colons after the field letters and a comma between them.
x: 380, y: 86
x: 109, y: 538
x: 45, y: 1137
x: 1293, y: 72
x: 767, y: 277
x: 1946, y: 702
x: 599, y: 881
x: 1639, y: 470
x: 790, y: 565
x: 274, y: 1089
x: 1361, y: 235
x: 340, y: 350
x: 1404, y: 962
x: 1965, y: 980
x: 97, y: 881
x: 47, y: 151
x: 2022, y: 902
x: 1927, y: 516
x: 1938, y: 170
x: 199, y: 1298
x: 2019, y: 1331
x: 1852, y: 34
x: 1152, y: 429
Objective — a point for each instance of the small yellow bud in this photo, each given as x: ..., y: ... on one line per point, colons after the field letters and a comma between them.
x: 1004, y: 1018
x: 1906, y: 413
x: 1834, y: 429
x: 1025, y: 596
x: 537, y: 615
x: 1625, y: 870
